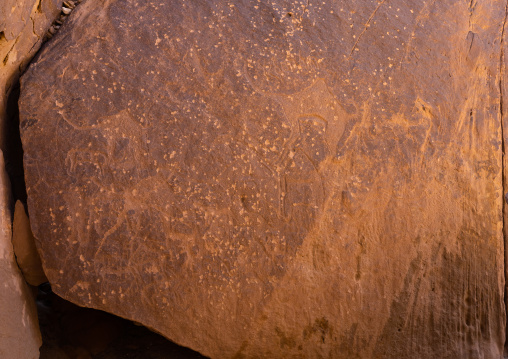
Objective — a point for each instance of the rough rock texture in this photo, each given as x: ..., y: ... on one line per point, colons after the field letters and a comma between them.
x: 22, y: 26
x: 276, y: 179
x: 19, y: 328
x: 25, y: 251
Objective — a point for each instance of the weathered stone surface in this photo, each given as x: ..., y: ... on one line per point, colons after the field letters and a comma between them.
x: 19, y: 328
x: 282, y: 179
x: 23, y: 243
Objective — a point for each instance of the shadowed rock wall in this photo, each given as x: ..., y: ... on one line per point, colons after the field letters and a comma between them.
x: 19, y: 329
x: 22, y: 26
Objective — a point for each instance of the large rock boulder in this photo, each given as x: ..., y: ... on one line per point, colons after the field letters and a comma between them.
x: 276, y: 179
x: 19, y: 328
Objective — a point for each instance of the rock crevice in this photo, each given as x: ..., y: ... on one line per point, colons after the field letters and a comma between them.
x: 502, y: 67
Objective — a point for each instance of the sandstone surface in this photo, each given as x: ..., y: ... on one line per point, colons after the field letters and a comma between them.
x: 19, y: 329
x: 284, y: 179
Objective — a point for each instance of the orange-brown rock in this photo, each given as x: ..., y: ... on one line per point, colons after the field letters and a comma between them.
x: 284, y: 179
x: 22, y: 26
x: 19, y: 329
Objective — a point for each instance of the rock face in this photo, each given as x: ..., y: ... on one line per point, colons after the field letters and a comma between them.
x: 282, y: 179
x: 19, y: 328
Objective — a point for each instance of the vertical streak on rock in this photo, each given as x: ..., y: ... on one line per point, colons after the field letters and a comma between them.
x: 505, y: 214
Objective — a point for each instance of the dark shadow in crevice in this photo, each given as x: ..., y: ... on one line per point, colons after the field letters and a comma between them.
x: 13, y: 150
x: 69, y: 332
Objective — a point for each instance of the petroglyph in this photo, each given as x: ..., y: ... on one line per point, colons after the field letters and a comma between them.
x: 221, y: 168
